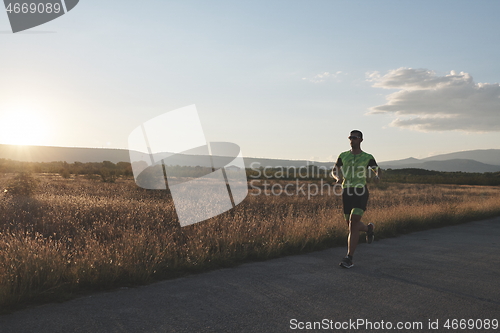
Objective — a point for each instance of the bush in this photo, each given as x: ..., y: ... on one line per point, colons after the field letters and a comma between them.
x: 22, y: 184
x: 107, y: 175
x: 65, y: 173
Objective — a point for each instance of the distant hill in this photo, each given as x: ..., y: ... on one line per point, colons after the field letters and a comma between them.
x: 486, y: 156
x: 252, y: 162
x: 67, y: 154
x: 448, y: 166
x: 487, y: 160
x: 84, y: 155
x: 403, y: 162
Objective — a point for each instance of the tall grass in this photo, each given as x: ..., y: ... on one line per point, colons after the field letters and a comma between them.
x: 76, y: 235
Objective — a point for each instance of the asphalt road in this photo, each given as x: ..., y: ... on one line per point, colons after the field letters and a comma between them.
x: 416, y: 279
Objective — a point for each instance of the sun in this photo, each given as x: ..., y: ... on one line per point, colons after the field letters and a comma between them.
x: 20, y: 126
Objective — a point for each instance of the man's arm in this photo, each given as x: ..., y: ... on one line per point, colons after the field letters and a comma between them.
x: 336, y: 172
x: 378, y: 174
x: 376, y: 169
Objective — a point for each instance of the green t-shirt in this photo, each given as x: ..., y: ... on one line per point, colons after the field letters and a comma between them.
x: 355, y: 168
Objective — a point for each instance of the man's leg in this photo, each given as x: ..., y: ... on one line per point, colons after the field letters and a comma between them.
x: 347, y: 218
x: 355, y: 226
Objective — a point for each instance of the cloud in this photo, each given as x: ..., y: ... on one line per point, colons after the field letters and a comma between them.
x: 322, y: 77
x: 428, y: 102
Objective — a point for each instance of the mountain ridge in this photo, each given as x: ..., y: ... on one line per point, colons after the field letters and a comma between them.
x: 479, y: 160
x: 485, y: 160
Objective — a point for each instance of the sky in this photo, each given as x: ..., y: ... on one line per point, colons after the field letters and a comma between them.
x: 281, y: 79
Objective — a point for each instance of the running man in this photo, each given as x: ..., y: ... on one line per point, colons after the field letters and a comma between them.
x: 351, y: 169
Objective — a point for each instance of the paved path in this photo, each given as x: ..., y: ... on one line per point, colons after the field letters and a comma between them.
x: 447, y: 273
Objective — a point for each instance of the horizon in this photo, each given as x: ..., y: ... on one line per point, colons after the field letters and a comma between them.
x: 252, y: 157
x: 278, y: 78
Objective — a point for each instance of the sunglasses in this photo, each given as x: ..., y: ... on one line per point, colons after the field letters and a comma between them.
x: 353, y: 137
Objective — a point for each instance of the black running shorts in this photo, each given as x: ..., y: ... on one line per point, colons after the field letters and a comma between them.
x: 355, y: 200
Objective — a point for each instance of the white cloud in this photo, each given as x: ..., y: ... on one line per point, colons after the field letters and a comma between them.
x: 428, y: 102
x: 322, y: 77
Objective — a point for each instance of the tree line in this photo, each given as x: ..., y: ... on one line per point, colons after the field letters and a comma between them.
x: 409, y: 175
x: 422, y: 176
x: 109, y: 171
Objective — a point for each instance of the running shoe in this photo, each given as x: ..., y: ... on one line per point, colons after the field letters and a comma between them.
x: 346, y: 263
x: 370, y: 235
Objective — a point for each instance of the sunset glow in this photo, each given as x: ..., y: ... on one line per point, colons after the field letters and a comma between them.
x: 22, y: 127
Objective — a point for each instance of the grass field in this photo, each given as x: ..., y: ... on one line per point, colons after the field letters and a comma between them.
x: 76, y: 235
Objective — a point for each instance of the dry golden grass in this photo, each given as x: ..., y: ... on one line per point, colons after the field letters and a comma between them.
x: 75, y: 235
